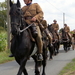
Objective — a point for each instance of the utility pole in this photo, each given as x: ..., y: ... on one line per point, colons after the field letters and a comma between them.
x: 63, y: 19
x: 8, y: 25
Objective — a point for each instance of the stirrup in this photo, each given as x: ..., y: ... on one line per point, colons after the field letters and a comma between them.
x: 39, y: 57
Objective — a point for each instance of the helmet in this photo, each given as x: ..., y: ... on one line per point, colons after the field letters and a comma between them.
x: 54, y: 20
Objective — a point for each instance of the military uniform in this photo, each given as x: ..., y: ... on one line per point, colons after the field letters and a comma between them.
x: 31, y: 11
x: 44, y: 23
x: 56, y: 28
x: 67, y: 29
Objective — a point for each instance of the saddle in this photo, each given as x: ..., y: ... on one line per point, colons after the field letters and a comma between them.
x: 31, y: 37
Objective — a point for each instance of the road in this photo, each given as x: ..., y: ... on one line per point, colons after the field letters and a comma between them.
x: 53, y: 67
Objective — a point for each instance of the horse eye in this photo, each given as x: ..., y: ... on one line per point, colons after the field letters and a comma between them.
x: 18, y: 25
x: 18, y: 9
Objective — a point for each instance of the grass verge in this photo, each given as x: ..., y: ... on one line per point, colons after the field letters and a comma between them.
x: 4, y: 57
x: 69, y: 69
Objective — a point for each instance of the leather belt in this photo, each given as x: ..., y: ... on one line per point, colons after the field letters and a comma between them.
x: 26, y: 18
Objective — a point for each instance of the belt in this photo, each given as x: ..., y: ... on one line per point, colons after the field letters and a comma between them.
x: 26, y: 18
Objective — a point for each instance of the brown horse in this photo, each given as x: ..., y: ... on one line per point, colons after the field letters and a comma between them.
x: 56, y: 42
x: 65, y: 40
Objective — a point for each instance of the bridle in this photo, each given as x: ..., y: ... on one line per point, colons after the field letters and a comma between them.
x: 20, y: 24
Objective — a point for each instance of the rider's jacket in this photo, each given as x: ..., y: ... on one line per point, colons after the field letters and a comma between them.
x: 55, y: 26
x: 67, y: 29
x: 33, y: 10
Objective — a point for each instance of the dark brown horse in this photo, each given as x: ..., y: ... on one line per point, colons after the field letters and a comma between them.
x: 56, y: 42
x: 65, y: 40
x: 21, y: 44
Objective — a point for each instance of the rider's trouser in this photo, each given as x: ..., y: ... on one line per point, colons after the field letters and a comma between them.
x: 69, y: 36
x: 57, y: 34
x: 39, y: 41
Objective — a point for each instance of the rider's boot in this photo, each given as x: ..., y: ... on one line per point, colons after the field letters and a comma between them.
x: 40, y: 48
x: 34, y: 30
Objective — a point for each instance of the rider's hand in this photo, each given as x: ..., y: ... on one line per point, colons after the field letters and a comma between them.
x: 55, y: 29
x: 33, y: 19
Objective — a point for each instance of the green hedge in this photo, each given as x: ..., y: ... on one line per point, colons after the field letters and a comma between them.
x: 3, y: 41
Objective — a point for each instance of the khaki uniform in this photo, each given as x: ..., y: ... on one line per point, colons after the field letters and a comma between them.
x: 34, y: 10
x: 44, y: 23
x: 67, y: 29
x: 56, y: 28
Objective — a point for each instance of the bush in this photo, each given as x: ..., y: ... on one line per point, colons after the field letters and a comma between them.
x: 3, y: 41
x: 2, y: 29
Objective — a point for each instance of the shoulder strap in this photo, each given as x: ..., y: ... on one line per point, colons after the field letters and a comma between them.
x: 26, y: 9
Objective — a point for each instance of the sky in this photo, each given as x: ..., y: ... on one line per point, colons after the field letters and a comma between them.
x: 54, y: 9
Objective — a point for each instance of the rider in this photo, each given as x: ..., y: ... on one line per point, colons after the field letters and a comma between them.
x: 55, y: 25
x: 67, y: 30
x: 45, y: 25
x: 33, y: 14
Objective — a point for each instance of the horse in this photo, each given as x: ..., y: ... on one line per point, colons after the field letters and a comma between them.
x: 55, y: 40
x: 21, y: 44
x: 73, y: 41
x: 49, y: 47
x: 65, y: 40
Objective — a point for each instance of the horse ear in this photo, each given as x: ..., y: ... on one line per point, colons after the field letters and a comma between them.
x: 11, y: 3
x: 18, y: 3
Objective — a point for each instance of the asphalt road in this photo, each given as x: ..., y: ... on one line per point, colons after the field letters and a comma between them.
x: 53, y: 67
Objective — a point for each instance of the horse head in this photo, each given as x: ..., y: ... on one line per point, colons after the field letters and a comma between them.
x: 50, y: 28
x: 64, y: 35
x: 15, y: 17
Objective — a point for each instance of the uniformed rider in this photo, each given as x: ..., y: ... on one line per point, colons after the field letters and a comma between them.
x: 33, y: 14
x: 55, y: 25
x: 45, y: 26
x: 67, y: 30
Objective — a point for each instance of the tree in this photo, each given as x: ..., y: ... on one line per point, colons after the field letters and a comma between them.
x: 60, y: 30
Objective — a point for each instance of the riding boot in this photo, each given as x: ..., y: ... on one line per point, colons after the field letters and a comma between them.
x: 39, y: 57
x: 39, y: 44
x: 34, y: 30
x: 40, y: 48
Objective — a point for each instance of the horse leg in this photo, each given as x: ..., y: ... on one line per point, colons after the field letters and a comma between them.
x: 65, y: 47
x: 36, y: 65
x: 22, y: 68
x: 50, y: 51
x: 44, y: 61
x: 57, y: 49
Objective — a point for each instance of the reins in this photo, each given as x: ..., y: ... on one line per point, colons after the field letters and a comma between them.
x: 26, y: 28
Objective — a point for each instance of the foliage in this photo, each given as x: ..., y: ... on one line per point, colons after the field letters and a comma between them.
x: 4, y: 57
x: 3, y: 15
x: 60, y: 30
x: 3, y: 41
x: 69, y: 69
x: 2, y: 29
